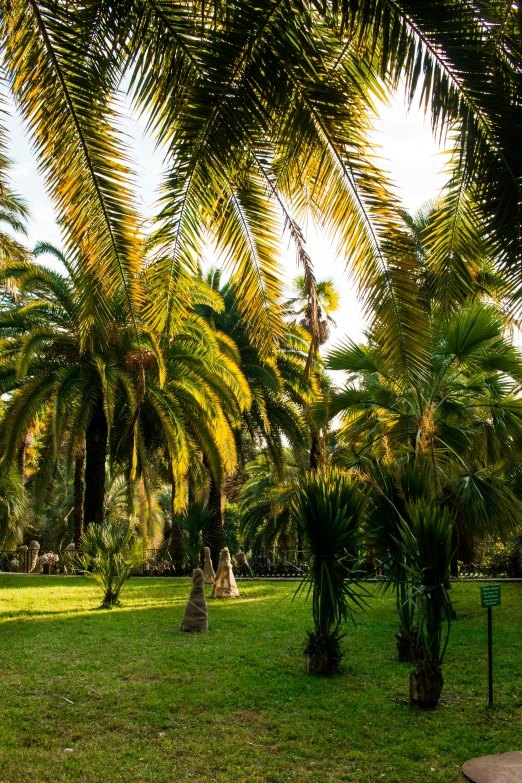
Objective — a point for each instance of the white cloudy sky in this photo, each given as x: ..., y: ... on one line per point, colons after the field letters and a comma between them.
x: 409, y: 151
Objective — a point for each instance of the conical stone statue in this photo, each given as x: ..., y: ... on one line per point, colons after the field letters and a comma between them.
x: 195, y: 617
x: 68, y: 557
x: 225, y: 584
x: 208, y: 569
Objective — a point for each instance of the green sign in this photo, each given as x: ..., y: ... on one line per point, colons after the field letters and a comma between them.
x: 490, y: 595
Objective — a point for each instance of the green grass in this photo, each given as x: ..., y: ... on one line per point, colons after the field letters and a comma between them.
x: 153, y: 705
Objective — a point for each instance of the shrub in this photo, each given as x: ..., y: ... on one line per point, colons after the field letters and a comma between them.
x: 427, y: 539
x: 498, y: 560
x: 110, y: 553
x: 328, y: 510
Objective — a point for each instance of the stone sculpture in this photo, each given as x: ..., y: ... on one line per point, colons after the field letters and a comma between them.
x: 225, y: 583
x: 195, y: 617
x: 23, y: 558
x: 242, y: 564
x: 46, y: 563
x: 38, y: 566
x: 34, y: 548
x: 14, y: 565
x: 208, y: 569
x: 68, y: 556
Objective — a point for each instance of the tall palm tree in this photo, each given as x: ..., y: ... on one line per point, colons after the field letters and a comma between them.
x: 327, y: 303
x: 264, y: 110
x: 302, y: 307
x: 279, y: 390
x: 64, y: 352
x: 111, y: 396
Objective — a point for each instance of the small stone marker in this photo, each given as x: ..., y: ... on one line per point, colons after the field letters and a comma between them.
x: 499, y: 768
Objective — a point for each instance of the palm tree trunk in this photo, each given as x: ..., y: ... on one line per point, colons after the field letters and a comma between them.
x: 315, y: 451
x: 454, y: 567
x: 176, y: 539
x: 95, y: 455
x: 20, y: 457
x: 79, y: 492
x: 300, y: 547
x: 213, y: 535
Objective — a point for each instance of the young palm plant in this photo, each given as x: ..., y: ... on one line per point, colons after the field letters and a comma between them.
x: 110, y: 553
x: 427, y: 540
x: 192, y: 521
x: 390, y: 485
x: 329, y: 509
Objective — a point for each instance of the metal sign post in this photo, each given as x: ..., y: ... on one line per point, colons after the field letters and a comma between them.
x: 490, y: 597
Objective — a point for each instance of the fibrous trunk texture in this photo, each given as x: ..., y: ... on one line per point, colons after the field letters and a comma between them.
x: 95, y: 456
x: 176, y: 538
x: 426, y: 686
x: 213, y: 535
x: 79, y: 492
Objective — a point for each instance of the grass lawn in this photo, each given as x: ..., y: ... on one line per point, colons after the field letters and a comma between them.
x: 153, y: 705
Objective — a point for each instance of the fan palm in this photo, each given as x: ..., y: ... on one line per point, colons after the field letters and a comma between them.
x: 193, y: 520
x: 463, y: 420
x: 327, y: 303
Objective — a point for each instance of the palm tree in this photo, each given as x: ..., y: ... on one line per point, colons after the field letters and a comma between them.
x: 393, y: 486
x: 307, y: 309
x: 279, y: 389
x: 59, y: 356
x: 266, y: 501
x: 264, y: 111
x: 462, y: 420
x: 193, y: 520
x: 13, y: 505
x: 110, y: 554
x: 112, y: 396
x: 427, y: 541
x: 327, y: 303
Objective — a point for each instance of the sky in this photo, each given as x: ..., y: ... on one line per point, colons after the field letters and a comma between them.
x: 408, y: 152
